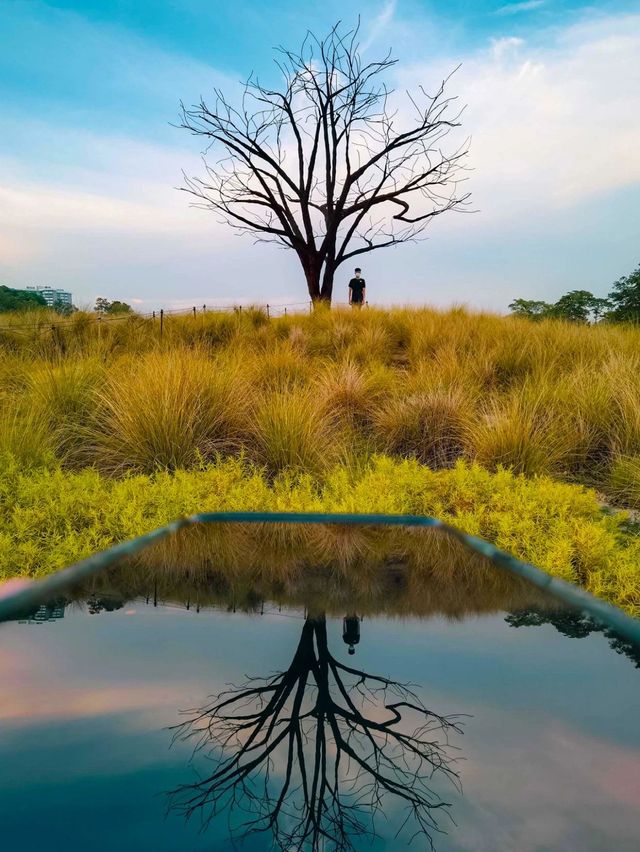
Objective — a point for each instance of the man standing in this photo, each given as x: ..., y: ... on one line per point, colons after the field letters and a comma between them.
x: 357, y: 287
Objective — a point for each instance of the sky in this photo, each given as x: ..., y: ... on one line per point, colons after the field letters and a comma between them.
x: 91, y: 160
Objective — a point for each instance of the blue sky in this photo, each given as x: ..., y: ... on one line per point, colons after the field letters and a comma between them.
x: 89, y: 161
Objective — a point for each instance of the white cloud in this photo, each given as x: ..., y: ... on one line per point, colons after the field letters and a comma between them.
x: 75, y: 179
x: 516, y: 8
x: 379, y: 24
x: 503, y: 47
x: 552, y: 125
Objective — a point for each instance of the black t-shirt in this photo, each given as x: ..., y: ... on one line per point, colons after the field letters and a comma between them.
x: 357, y: 287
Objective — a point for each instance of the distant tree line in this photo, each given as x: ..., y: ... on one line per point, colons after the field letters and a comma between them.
x: 621, y: 305
x: 104, y: 306
x: 26, y: 300
x: 20, y: 300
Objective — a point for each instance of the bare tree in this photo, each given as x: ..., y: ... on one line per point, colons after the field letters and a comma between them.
x: 313, y: 754
x: 326, y: 164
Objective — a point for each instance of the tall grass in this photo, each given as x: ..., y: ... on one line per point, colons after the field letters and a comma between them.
x: 351, y: 394
x: 301, y: 391
x: 170, y: 410
x: 624, y: 481
x: 431, y: 426
x: 25, y: 437
x: 522, y: 431
x: 289, y: 431
x: 63, y: 397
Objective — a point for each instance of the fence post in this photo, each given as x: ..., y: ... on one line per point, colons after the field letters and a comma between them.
x: 268, y: 314
x: 194, y: 311
x: 161, y: 320
x: 204, y: 308
x: 153, y: 316
x: 285, y: 312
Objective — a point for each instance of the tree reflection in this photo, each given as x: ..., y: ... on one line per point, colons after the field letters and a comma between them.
x: 313, y: 754
x: 575, y: 625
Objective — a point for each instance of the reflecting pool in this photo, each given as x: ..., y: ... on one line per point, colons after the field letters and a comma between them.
x: 329, y: 687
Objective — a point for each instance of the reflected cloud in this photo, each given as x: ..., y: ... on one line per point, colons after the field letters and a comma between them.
x: 22, y: 705
x: 527, y: 795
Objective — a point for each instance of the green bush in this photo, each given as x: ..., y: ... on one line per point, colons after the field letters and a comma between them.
x: 50, y: 517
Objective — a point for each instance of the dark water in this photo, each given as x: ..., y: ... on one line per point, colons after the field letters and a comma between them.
x: 205, y: 694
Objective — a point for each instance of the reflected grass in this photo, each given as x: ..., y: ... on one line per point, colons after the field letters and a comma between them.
x: 324, y: 568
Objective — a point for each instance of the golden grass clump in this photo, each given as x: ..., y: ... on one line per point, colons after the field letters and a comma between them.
x: 428, y: 333
x: 25, y: 436
x: 520, y: 431
x: 290, y: 431
x: 350, y: 394
x: 370, y: 343
x: 431, y: 426
x: 623, y: 375
x: 582, y: 400
x: 623, y: 481
x: 15, y: 373
x: 170, y: 410
x: 63, y: 396
x: 280, y: 368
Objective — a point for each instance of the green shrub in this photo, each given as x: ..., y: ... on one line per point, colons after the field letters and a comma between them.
x: 50, y: 517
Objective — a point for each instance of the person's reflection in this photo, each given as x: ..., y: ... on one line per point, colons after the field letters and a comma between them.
x: 351, y: 631
x: 314, y: 754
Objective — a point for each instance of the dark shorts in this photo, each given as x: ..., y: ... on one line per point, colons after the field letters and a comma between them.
x: 355, y: 301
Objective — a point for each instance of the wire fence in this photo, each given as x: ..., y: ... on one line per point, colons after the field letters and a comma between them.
x: 271, y: 311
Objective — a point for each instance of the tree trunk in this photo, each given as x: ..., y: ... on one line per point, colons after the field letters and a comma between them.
x: 326, y: 291
x: 312, y: 274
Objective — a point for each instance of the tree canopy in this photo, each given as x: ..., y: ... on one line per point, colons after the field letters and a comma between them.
x: 625, y: 296
x: 20, y: 300
x: 327, y: 164
x: 579, y: 306
x: 532, y: 308
x: 104, y: 306
x: 621, y: 305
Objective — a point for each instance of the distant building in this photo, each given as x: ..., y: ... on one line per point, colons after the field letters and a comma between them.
x: 51, y: 611
x: 54, y: 298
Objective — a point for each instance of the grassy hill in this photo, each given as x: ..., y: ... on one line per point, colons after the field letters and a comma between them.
x: 331, y: 394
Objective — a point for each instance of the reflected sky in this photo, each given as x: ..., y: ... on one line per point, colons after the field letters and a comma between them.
x: 550, y: 761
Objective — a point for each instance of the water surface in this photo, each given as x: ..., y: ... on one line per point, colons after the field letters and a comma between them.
x: 332, y: 688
